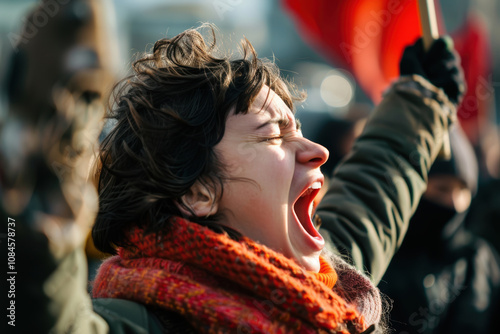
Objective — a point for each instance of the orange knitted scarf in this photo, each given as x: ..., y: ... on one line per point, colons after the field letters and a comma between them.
x: 222, y: 285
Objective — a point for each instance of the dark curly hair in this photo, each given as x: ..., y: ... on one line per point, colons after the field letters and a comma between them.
x: 170, y: 114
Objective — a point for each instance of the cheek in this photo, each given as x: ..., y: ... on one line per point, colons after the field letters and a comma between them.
x: 260, y: 164
x: 263, y: 182
x: 276, y: 175
x: 238, y: 158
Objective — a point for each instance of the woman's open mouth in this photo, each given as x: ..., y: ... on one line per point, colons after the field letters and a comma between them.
x: 303, y: 208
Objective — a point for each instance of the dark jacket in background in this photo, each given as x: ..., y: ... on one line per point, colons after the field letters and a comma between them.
x: 445, y: 279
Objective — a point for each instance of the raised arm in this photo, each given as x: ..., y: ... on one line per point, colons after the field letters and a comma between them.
x: 375, y: 190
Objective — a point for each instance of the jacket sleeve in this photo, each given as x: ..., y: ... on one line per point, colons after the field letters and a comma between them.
x: 376, y: 189
x: 51, y: 294
x: 66, y: 289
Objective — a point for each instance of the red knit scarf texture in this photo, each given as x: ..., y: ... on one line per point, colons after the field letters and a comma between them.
x: 222, y: 285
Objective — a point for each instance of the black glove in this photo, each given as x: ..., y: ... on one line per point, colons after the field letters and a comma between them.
x: 440, y: 65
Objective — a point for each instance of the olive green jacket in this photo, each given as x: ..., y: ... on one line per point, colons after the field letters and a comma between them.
x: 376, y: 189
x: 365, y: 213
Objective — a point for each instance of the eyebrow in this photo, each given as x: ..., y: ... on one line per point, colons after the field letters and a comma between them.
x: 282, y: 122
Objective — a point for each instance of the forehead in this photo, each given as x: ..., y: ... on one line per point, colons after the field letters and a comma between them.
x: 268, y: 103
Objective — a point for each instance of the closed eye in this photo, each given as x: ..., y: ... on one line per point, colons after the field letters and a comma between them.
x: 273, y: 140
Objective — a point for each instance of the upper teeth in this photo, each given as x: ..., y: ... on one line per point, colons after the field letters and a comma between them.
x: 316, y: 185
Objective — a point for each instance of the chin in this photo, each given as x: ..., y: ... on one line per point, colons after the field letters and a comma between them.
x: 309, y: 263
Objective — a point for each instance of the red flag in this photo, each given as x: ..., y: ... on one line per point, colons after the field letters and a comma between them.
x: 366, y: 37
x: 472, y: 44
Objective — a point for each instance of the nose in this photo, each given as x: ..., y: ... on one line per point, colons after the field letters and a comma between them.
x: 461, y: 199
x: 311, y: 153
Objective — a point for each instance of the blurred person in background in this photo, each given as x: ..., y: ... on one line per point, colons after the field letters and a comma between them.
x: 484, y: 215
x: 444, y: 278
x: 205, y: 190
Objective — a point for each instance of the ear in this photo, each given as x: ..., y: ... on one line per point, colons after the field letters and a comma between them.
x: 201, y: 201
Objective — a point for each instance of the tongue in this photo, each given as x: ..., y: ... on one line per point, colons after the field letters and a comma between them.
x: 302, y: 207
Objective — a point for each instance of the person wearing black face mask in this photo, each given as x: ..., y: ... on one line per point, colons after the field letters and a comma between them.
x: 444, y: 279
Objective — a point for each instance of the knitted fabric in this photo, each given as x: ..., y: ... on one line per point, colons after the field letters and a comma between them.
x: 222, y: 285
x: 326, y: 274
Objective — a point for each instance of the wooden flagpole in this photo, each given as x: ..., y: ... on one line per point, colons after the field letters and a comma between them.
x: 428, y: 20
x: 430, y: 32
